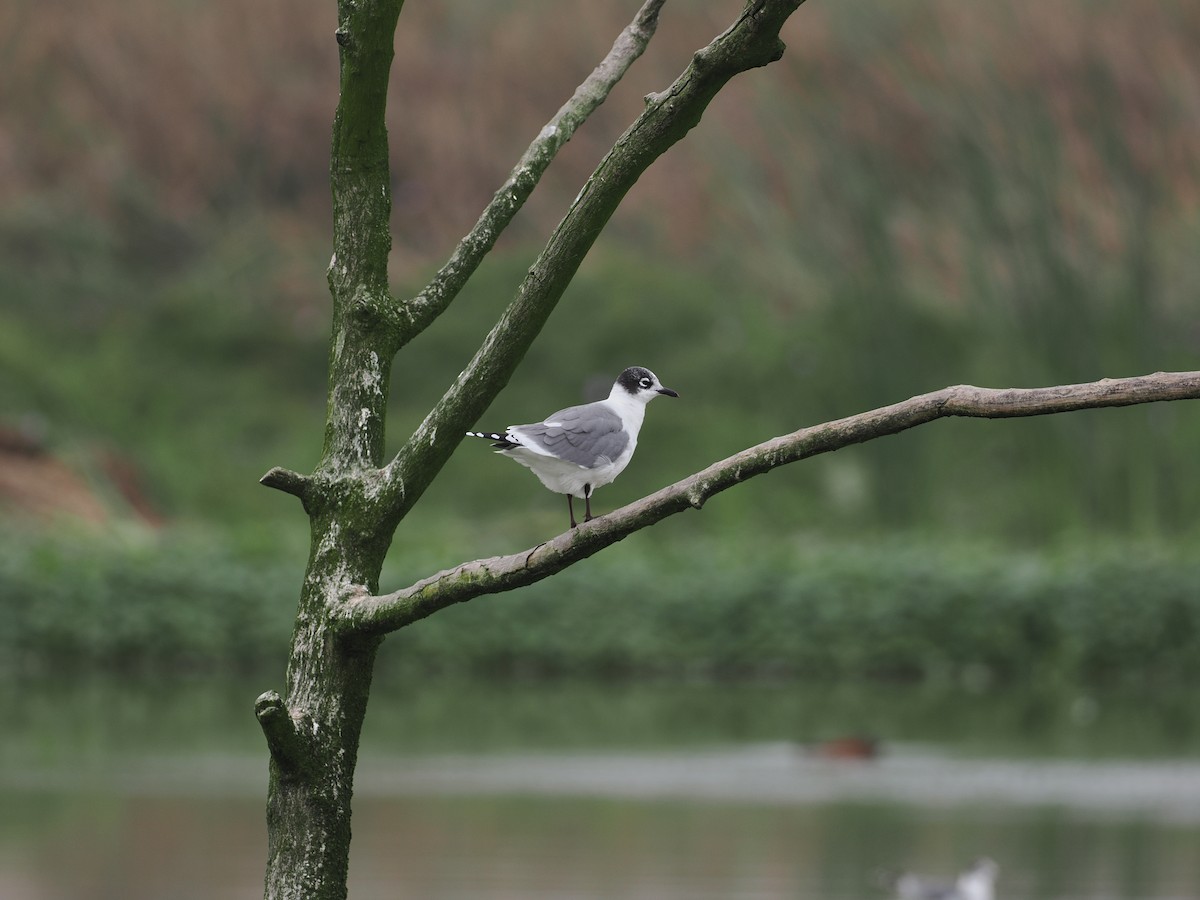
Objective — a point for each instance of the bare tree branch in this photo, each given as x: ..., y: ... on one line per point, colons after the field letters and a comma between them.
x: 423, y: 309
x: 382, y: 614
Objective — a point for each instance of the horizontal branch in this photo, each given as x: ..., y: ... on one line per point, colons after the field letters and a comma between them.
x: 382, y: 614
x: 423, y: 309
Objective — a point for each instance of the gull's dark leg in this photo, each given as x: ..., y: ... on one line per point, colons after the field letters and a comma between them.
x: 587, y: 502
x: 571, y: 508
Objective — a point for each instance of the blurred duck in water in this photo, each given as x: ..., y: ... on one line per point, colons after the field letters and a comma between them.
x: 854, y: 746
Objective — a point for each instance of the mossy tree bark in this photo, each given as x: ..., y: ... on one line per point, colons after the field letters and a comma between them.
x: 355, y: 499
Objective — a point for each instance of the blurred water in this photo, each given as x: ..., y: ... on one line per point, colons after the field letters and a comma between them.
x: 128, y: 791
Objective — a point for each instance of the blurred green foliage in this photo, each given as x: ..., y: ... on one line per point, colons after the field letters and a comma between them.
x: 907, y: 609
x: 911, y: 198
x: 129, y: 603
x: 940, y: 612
x: 206, y: 388
x: 881, y: 213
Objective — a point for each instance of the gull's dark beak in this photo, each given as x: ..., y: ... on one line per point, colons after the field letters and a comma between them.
x: 668, y: 392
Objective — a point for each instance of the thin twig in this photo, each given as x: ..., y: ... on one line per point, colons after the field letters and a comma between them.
x: 423, y: 309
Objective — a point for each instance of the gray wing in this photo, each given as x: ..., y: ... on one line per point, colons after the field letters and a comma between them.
x: 584, y: 435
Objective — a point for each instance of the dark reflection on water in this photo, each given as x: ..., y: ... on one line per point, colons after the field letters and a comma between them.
x: 599, y: 791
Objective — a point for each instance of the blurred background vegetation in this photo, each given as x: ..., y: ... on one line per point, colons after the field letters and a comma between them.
x: 921, y: 193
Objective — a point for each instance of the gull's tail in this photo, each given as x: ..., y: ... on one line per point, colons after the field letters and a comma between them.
x: 499, y: 441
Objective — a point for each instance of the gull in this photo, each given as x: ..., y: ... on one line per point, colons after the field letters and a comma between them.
x: 976, y: 883
x: 580, y: 448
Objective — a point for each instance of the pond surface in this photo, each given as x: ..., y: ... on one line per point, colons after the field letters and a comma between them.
x: 466, y: 790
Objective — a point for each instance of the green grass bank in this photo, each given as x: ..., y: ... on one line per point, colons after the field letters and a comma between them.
x: 911, y: 610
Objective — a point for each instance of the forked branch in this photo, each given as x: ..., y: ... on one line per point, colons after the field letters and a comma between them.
x: 382, y: 614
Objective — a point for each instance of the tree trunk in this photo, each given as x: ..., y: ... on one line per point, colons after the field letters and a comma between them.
x: 314, y: 736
